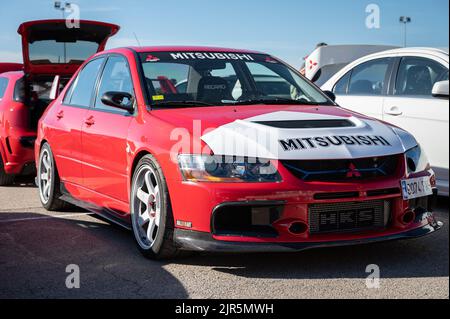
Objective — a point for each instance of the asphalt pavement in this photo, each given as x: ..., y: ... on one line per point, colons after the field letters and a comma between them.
x: 36, y: 247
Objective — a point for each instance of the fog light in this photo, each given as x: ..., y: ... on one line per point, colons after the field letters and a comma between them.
x: 408, y: 217
x: 298, y: 228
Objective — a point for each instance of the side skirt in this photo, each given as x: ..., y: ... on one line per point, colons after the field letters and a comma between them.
x: 106, y: 213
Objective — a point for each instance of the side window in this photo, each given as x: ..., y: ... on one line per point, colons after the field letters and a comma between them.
x: 116, y: 77
x: 80, y: 93
x: 369, y: 78
x: 416, y: 76
x: 3, y: 86
x: 182, y: 87
x: 342, y: 85
x: 19, y: 91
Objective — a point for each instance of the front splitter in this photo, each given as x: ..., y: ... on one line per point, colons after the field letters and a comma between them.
x: 200, y: 241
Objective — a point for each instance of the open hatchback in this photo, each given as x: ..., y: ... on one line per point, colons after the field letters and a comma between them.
x: 51, y: 48
x: 52, y: 53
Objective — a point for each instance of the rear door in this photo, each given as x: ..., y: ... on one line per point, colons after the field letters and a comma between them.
x: 105, y: 132
x: 412, y: 107
x: 49, y: 47
x: 363, y: 88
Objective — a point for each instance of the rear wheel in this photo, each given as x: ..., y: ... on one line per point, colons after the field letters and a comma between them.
x: 151, y: 212
x: 48, y: 181
x: 5, y: 179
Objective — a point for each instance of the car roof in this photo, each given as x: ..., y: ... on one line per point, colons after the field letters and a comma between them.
x: 8, y: 67
x: 12, y: 75
x: 442, y: 54
x: 417, y: 50
x: 403, y: 51
x: 190, y: 49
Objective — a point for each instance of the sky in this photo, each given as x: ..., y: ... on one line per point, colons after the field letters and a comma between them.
x: 288, y: 29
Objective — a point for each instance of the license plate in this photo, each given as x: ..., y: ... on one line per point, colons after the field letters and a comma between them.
x: 416, y: 187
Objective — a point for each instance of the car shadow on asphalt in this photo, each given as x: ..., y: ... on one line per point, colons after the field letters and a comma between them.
x: 23, y: 181
x: 34, y: 255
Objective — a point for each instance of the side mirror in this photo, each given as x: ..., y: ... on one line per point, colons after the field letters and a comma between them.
x: 330, y: 95
x: 440, y: 89
x: 54, y: 91
x: 120, y: 100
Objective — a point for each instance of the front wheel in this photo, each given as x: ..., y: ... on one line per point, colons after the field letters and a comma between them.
x: 151, y: 212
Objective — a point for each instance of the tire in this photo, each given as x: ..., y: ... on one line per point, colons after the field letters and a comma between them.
x: 48, y: 181
x: 5, y: 179
x: 151, y: 211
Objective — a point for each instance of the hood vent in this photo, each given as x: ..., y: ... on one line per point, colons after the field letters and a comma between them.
x: 305, y: 124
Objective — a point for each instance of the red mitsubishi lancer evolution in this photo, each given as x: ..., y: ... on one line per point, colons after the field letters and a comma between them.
x: 49, y: 49
x: 210, y: 149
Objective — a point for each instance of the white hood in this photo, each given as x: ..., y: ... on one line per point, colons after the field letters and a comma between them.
x: 359, y: 138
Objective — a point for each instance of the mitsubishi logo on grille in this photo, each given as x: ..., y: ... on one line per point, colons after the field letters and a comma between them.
x: 353, y: 171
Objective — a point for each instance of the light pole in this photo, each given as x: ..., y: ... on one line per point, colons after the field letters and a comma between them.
x: 59, y: 6
x: 405, y: 20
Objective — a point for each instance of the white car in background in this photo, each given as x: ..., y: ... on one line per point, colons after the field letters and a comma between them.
x: 326, y: 59
x: 406, y: 87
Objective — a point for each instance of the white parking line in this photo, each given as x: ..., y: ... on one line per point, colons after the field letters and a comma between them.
x: 44, y: 217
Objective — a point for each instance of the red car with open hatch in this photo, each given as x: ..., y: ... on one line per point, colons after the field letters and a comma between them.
x: 49, y: 49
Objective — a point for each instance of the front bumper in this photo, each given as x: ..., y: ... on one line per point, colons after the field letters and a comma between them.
x: 200, y: 241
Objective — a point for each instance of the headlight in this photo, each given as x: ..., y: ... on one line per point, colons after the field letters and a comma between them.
x: 226, y: 169
x: 416, y: 160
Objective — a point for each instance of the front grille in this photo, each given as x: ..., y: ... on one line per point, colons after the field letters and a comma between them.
x: 348, y: 217
x: 343, y: 170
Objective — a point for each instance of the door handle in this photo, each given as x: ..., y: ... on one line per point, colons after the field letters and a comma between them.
x: 60, y: 115
x: 89, y: 121
x: 394, y: 111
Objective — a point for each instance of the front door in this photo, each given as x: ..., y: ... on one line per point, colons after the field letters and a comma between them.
x: 104, y: 136
x: 363, y: 88
x: 413, y: 108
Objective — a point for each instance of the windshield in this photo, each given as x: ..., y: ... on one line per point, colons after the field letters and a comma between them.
x: 211, y: 78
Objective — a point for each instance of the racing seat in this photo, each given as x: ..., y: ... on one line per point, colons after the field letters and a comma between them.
x: 213, y: 89
x: 418, y: 81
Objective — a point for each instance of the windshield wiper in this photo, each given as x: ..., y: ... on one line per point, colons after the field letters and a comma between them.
x: 274, y: 101
x: 181, y: 103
